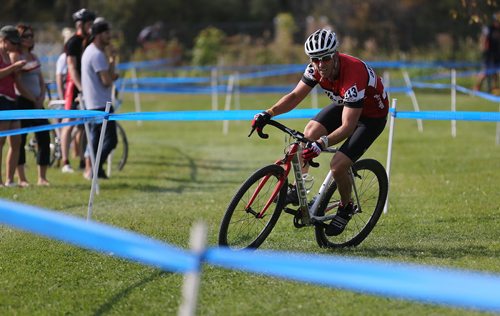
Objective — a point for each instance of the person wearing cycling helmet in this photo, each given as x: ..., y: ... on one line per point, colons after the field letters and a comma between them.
x: 74, y: 48
x: 357, y: 114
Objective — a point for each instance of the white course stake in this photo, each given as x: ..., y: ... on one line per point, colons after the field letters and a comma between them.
x: 191, y: 284
x: 389, y: 151
x: 95, y: 167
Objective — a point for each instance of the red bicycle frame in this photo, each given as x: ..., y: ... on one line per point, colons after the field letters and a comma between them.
x: 286, y: 164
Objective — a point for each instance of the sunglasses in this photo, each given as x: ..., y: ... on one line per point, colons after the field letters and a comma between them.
x: 324, y: 59
x: 27, y: 36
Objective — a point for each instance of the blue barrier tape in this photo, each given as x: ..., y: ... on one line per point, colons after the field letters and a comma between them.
x: 295, y: 114
x: 49, y: 114
x: 267, y: 72
x: 223, y: 89
x: 176, y: 90
x: 144, y: 64
x: 430, y: 85
x: 206, y: 89
x: 427, y: 284
x: 448, y: 115
x: 271, y: 73
x: 266, y: 89
x: 447, y: 75
x: 162, y: 80
x: 484, y: 95
x: 376, y: 64
x: 96, y: 236
x: 206, y: 115
x: 421, y: 64
x: 39, y: 128
x: 398, y: 90
x: 234, y: 115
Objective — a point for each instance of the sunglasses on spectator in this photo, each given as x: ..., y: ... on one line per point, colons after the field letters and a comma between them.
x: 27, y: 36
x: 324, y: 58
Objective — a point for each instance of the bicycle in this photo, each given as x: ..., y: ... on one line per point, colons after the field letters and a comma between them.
x: 247, y: 221
x: 117, y: 159
x: 55, y: 140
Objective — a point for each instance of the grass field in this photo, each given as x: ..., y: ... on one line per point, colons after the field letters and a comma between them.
x: 444, y: 210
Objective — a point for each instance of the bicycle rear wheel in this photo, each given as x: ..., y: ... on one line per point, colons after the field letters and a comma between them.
x: 119, y: 155
x: 371, y: 183
x: 55, y: 149
x: 241, y: 226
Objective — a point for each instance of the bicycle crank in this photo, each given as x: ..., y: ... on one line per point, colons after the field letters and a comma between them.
x: 297, y: 220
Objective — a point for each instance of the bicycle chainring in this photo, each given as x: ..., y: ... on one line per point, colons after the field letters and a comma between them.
x: 297, y: 220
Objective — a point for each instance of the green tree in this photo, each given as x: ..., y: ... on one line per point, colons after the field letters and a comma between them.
x: 208, y: 45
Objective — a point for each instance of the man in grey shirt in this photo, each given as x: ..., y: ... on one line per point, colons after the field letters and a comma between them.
x: 98, y: 74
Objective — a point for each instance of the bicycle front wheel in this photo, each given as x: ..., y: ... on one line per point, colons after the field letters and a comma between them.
x: 371, y: 184
x: 243, y: 226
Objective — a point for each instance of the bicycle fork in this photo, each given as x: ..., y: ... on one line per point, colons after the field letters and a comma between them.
x: 291, y: 156
x: 274, y: 194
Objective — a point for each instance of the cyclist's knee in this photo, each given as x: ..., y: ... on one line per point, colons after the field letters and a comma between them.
x: 340, y: 164
x: 314, y: 130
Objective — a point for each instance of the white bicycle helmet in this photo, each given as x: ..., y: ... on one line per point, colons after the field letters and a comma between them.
x: 320, y: 43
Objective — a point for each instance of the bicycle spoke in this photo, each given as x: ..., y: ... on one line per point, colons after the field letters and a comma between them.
x: 242, y: 225
x: 370, y: 192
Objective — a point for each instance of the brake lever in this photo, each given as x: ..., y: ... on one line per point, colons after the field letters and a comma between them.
x: 251, y: 132
x: 313, y: 164
x: 259, y: 131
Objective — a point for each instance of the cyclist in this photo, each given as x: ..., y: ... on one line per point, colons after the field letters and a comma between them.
x: 74, y: 48
x: 357, y: 114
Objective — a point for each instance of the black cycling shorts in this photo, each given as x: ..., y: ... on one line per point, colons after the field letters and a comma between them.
x: 364, y: 135
x: 6, y: 104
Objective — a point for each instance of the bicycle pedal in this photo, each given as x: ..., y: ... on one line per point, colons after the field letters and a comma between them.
x: 316, y: 222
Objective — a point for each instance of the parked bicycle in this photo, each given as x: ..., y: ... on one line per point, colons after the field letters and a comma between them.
x: 258, y: 203
x: 117, y: 159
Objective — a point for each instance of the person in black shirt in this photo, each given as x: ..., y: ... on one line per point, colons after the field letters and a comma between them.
x: 490, y: 43
x: 74, y: 48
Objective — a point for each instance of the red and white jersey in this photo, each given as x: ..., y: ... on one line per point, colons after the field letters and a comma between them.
x: 357, y: 86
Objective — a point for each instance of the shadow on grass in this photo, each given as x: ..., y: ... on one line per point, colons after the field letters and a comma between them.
x: 180, y: 185
x: 423, y: 251
x: 191, y: 180
x: 107, y: 306
x: 213, y: 165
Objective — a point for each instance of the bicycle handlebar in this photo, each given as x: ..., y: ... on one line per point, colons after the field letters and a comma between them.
x: 298, y: 136
x: 295, y: 134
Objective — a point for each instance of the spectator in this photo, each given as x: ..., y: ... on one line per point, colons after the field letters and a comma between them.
x: 74, y: 49
x: 30, y: 90
x: 61, y: 76
x: 98, y: 74
x: 490, y: 46
x: 9, y: 39
x: 62, y: 66
x: 151, y: 33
